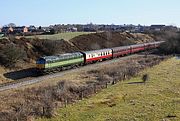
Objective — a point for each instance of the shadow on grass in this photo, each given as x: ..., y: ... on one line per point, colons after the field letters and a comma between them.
x: 15, y: 75
x: 136, y: 82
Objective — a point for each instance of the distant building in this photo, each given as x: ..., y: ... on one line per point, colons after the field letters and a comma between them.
x: 171, y: 28
x: 14, y: 30
x: 32, y: 28
x: 10, y: 30
x: 7, y: 30
x: 178, y: 29
x: 21, y: 29
x: 0, y: 29
x: 72, y: 29
x: 25, y: 29
x: 157, y: 27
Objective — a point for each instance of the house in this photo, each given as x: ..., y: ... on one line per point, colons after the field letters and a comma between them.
x: 7, y: 30
x: 171, y: 28
x: 32, y: 28
x: 72, y: 29
x: 178, y: 29
x: 21, y: 29
x: 157, y: 27
x: 14, y: 30
x: 25, y: 30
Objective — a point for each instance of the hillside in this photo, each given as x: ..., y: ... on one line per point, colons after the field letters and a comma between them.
x: 108, y: 39
x: 32, y: 49
x: 156, y: 100
x: 21, y: 53
x: 65, y: 36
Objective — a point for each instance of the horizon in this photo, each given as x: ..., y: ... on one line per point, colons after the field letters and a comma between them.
x: 45, y: 13
x: 87, y: 24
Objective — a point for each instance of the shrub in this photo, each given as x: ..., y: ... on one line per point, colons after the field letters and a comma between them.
x: 47, y: 47
x: 171, y: 46
x: 145, y: 78
x: 11, y: 54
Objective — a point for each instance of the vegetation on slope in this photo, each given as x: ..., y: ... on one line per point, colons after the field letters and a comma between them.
x: 28, y: 50
x: 172, y: 45
x: 157, y: 99
x: 65, y: 36
x: 43, y: 100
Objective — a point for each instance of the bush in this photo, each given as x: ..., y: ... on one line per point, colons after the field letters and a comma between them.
x: 11, y: 54
x: 47, y: 47
x: 171, y: 46
x: 145, y: 78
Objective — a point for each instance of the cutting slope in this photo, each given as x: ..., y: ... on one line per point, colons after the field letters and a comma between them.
x: 108, y: 39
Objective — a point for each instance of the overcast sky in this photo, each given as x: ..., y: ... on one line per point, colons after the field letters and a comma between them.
x: 46, y: 12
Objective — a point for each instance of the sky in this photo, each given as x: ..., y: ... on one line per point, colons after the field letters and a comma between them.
x: 49, y: 12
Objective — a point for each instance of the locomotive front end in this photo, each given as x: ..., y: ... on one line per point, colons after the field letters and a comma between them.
x: 40, y: 64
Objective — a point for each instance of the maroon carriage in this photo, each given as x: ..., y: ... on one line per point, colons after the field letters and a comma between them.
x: 137, y: 48
x: 121, y: 51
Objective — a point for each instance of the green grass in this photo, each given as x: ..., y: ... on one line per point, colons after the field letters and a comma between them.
x: 65, y: 36
x: 156, y: 100
x: 3, y: 38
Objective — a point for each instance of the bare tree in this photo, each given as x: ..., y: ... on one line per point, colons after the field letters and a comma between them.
x: 109, y: 35
x: 11, y: 25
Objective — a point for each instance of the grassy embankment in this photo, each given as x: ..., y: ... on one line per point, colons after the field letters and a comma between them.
x: 157, y: 99
x: 65, y: 36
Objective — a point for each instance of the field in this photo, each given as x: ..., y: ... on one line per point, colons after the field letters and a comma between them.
x: 65, y: 36
x: 156, y: 100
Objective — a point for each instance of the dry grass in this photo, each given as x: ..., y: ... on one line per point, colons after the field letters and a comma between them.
x: 156, y: 100
x: 2, y: 78
x: 40, y: 101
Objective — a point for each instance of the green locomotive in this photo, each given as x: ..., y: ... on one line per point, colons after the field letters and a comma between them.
x: 59, y: 61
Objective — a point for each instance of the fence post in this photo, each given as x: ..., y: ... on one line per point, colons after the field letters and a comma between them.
x: 82, y: 95
x: 106, y: 84
x: 66, y: 101
x: 113, y: 82
x: 124, y: 78
x: 94, y: 88
x: 43, y: 110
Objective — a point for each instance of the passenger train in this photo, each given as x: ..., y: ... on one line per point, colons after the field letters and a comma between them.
x: 62, y: 61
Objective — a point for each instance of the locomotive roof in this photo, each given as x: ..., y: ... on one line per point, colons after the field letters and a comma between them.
x: 61, y: 56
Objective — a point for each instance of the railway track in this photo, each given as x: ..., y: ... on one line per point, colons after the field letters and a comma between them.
x: 21, y: 83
